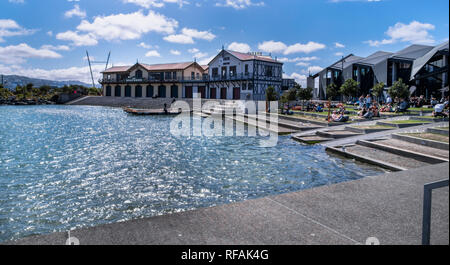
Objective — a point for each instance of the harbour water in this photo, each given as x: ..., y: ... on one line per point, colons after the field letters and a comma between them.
x: 64, y: 167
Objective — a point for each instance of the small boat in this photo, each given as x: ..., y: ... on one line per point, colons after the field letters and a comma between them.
x: 150, y: 111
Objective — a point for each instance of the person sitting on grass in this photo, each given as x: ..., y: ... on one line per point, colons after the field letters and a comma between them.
x: 362, y: 112
x: 402, y: 107
x: 439, y: 110
x: 318, y: 108
x: 338, y: 117
x: 375, y: 110
x: 387, y: 108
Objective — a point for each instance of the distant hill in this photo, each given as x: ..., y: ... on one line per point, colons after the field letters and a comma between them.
x: 11, y: 81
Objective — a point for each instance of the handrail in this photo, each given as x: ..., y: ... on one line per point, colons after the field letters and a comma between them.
x: 427, y: 198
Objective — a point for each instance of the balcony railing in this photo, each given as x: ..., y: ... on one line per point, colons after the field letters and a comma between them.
x: 218, y: 78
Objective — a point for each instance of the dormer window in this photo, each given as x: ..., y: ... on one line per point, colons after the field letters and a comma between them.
x: 138, y: 74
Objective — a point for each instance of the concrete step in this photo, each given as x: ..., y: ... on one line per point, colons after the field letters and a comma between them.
x: 368, y: 129
x: 337, y: 134
x: 311, y: 139
x: 429, y: 119
x: 399, y: 144
x: 438, y: 131
x: 403, y: 151
x: 379, y: 157
x: 401, y: 125
x: 420, y: 140
x: 299, y: 126
x: 280, y: 130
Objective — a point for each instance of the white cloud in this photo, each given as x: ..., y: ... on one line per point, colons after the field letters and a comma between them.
x: 65, y: 74
x: 238, y: 4
x: 304, y: 48
x: 193, y: 50
x: 175, y: 52
x: 76, y: 11
x: 188, y: 35
x: 17, y: 1
x: 272, y: 46
x: 77, y: 39
x: 280, y: 47
x: 239, y: 47
x: 155, y: 3
x: 206, y: 60
x: 152, y: 53
x: 339, y: 45
x: 9, y: 28
x: 203, y: 35
x: 298, y: 59
x: 339, y: 54
x: 120, y: 27
x: 302, y: 64
x: 179, y: 38
x: 314, y: 69
x: 200, y: 55
x: 299, y: 78
x: 17, y: 54
x: 146, y: 46
x: 414, y: 32
x: 56, y: 48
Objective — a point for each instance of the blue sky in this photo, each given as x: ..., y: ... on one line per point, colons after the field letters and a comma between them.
x: 49, y: 38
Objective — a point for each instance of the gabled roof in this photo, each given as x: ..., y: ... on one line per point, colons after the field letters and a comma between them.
x: 375, y: 58
x: 348, y: 61
x: 151, y: 67
x: 248, y: 57
x: 412, y: 52
x: 420, y: 62
x: 117, y: 69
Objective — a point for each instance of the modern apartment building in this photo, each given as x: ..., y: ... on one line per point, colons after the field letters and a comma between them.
x: 424, y: 68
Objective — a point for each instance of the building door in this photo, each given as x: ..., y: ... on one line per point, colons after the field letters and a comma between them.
x: 213, y: 93
x: 117, y: 91
x: 201, y: 90
x: 162, y: 91
x: 138, y: 93
x: 149, y: 91
x: 108, y: 91
x: 128, y: 91
x: 236, y: 93
x: 188, y: 92
x: 223, y: 93
x: 174, y: 91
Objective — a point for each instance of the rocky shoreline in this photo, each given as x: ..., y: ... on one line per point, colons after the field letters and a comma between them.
x: 25, y: 102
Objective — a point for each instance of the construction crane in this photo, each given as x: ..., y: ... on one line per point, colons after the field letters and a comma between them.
x: 96, y: 62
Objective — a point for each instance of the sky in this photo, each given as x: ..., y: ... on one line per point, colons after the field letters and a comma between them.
x: 49, y: 38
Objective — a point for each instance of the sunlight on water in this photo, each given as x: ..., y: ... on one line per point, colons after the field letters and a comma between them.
x: 63, y: 167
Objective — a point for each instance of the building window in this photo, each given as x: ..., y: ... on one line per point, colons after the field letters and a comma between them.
x: 138, y: 92
x: 269, y: 71
x: 215, y: 72
x: 244, y: 86
x: 246, y: 69
x: 198, y: 76
x: 232, y: 70
x: 138, y: 74
x: 174, y: 75
x: 149, y: 91
x: 117, y: 91
x: 168, y: 75
x: 108, y: 77
x: 192, y: 76
x: 224, y: 72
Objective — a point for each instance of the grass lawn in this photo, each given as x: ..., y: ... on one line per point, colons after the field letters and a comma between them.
x: 442, y: 128
x: 430, y: 136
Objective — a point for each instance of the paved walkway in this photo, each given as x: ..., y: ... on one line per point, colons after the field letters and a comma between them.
x: 388, y: 207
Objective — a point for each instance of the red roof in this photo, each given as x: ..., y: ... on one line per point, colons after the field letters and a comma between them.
x: 148, y: 67
x: 247, y: 57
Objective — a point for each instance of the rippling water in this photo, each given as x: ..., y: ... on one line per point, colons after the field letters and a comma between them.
x: 63, y: 167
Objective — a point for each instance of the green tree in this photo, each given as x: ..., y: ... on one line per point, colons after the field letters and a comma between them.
x: 378, y: 90
x: 399, y: 90
x: 349, y: 88
x: 332, y: 91
x: 305, y: 94
x: 271, y: 94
